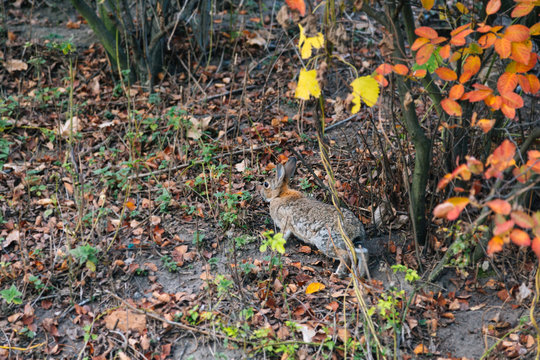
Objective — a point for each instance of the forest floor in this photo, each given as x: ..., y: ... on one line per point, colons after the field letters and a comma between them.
x: 139, y: 236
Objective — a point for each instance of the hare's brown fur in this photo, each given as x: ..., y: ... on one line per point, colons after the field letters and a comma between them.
x: 310, y: 220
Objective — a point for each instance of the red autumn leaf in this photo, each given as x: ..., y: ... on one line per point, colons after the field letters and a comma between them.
x: 500, y: 206
x: 475, y: 166
x: 503, y: 156
x: 503, y: 227
x: 516, y: 33
x: 427, y: 32
x: 493, y: 6
x: 495, y: 245
x: 424, y: 53
x: 534, y: 160
x: 400, y: 69
x: 446, y: 73
x: 503, y: 47
x: 445, y: 180
x: 522, y: 9
x: 521, y: 52
x: 444, y: 51
x: 522, y: 174
x: 487, y: 40
x: 443, y: 209
x: 522, y: 219
x: 507, y: 83
x: 456, y: 92
x: 299, y: 5
x: 536, y: 246
x: 520, y: 237
x: 451, y: 107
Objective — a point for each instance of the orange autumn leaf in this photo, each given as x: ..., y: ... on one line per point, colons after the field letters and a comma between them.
x: 529, y: 83
x: 428, y: 4
x: 493, y: 6
x: 520, y: 237
x: 501, y: 159
x: 535, y: 29
x: 470, y: 68
x: 451, y: 107
x: 400, y: 69
x: 500, y: 206
x: 516, y: 33
x: 487, y: 40
x: 424, y: 53
x: 421, y: 349
x: 536, y: 246
x: 444, y: 51
x: 299, y: 5
x: 508, y: 111
x: 446, y: 73
x: 495, y: 245
x: 384, y: 69
x: 507, y: 83
x: 451, y: 208
x: 426, y: 32
x: 130, y: 205
x: 459, y: 35
x: 522, y: 219
x: 456, y: 92
x: 503, y: 47
x: 503, y: 228
x: 522, y: 9
x: 521, y: 52
x: 314, y: 287
x: 481, y: 92
x: 512, y: 100
x: 485, y: 124
x: 419, y: 73
x: 419, y: 42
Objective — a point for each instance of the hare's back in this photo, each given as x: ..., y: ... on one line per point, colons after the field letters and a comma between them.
x: 317, y: 223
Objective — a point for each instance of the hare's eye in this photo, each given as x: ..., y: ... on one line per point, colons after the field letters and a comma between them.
x: 266, y: 185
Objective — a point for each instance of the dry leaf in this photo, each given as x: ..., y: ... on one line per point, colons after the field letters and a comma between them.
x: 198, y: 125
x: 15, y: 65
x: 69, y: 126
x: 307, y: 332
x: 125, y: 320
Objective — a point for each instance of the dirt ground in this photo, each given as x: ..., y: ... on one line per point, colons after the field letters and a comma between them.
x: 455, y: 317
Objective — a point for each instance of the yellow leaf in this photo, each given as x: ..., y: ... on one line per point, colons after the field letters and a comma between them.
x: 307, y: 85
x: 305, y: 44
x: 314, y: 287
x: 365, y: 88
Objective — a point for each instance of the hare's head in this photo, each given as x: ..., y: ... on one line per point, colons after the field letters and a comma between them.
x: 279, y: 186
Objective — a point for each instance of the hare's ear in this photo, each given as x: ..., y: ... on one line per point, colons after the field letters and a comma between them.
x: 290, y: 167
x: 280, y: 174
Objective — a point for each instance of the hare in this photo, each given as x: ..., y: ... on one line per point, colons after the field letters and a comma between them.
x: 312, y: 221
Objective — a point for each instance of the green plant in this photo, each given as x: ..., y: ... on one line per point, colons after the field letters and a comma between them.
x: 169, y: 263
x: 11, y: 295
x: 36, y: 281
x: 276, y: 242
x: 198, y: 238
x: 223, y: 284
x: 164, y: 200
x: 88, y: 333
x: 86, y: 254
x: 38, y: 189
